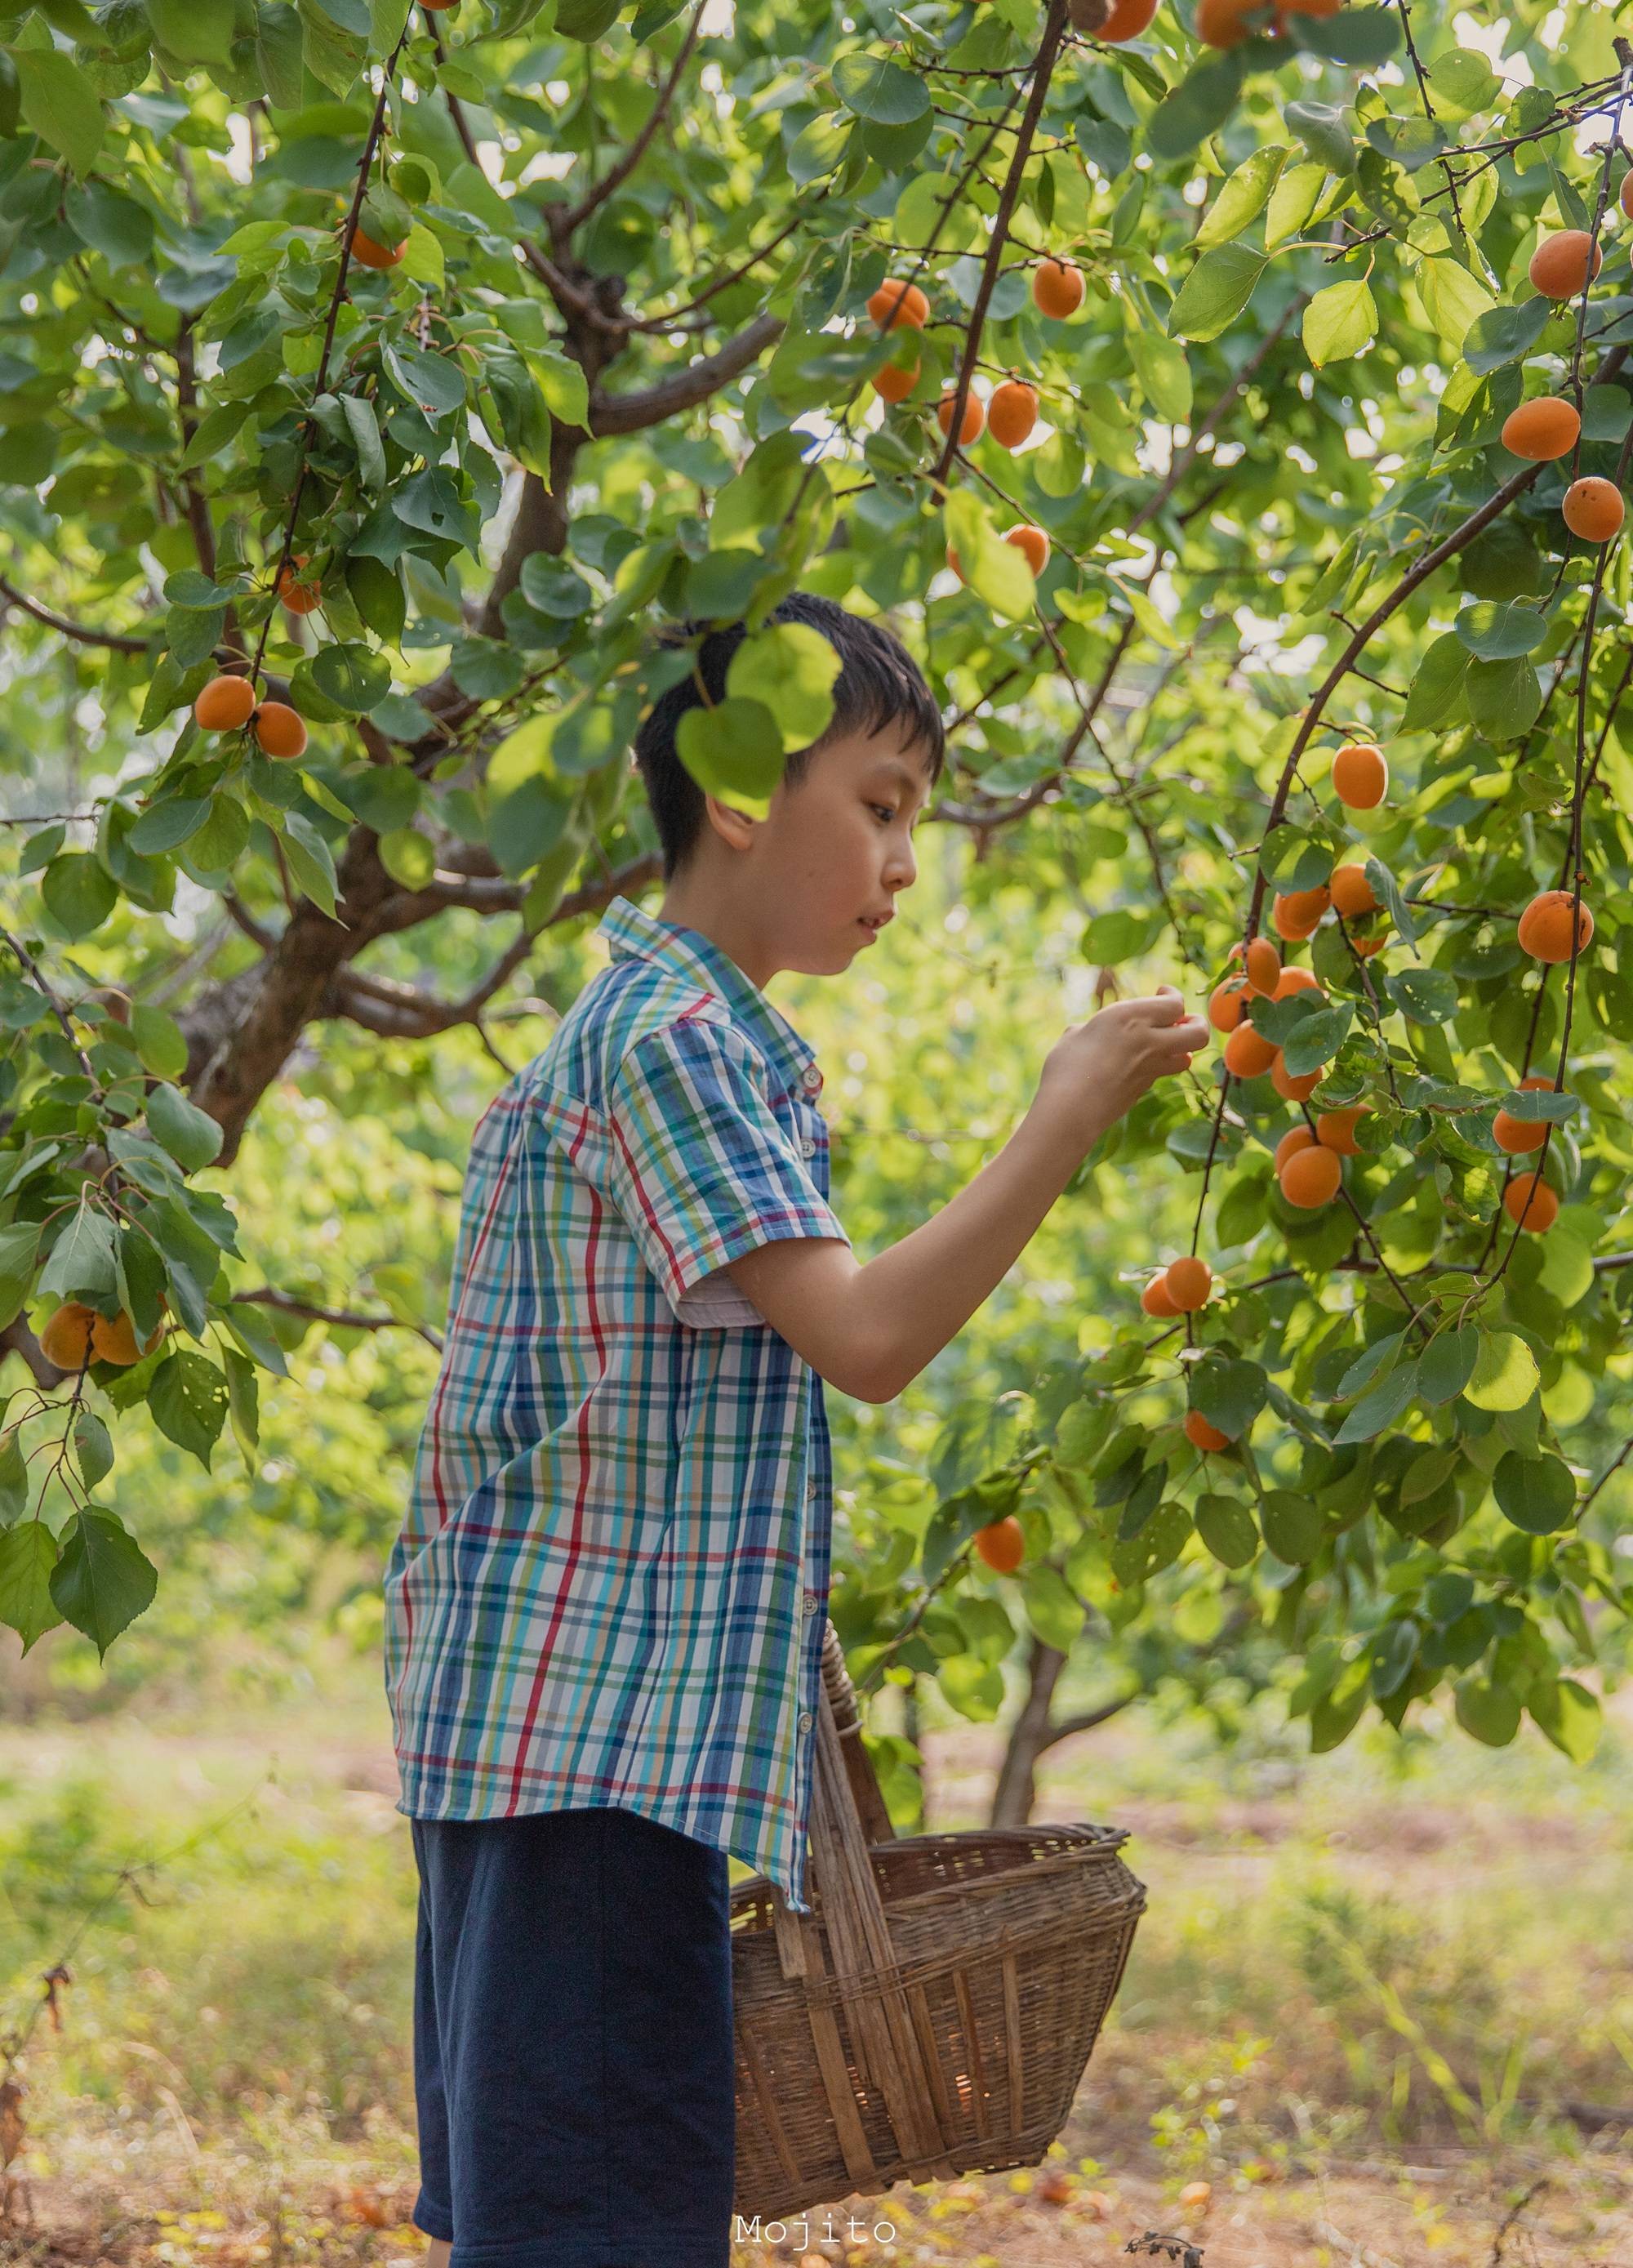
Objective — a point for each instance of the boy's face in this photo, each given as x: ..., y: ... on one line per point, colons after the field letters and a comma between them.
x: 834, y: 850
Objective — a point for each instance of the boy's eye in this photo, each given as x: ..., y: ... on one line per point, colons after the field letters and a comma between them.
x: 888, y: 809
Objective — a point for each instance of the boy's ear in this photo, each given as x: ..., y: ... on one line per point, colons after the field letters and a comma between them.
x: 734, y: 827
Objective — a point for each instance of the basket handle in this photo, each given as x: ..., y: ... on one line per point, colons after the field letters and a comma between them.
x: 842, y: 1699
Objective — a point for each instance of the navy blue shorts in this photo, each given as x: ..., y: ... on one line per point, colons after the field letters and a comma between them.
x: 572, y: 2042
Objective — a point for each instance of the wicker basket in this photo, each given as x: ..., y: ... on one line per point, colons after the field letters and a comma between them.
x: 933, y: 2014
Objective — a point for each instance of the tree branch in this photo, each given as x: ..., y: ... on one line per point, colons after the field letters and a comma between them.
x: 683, y: 389
x: 81, y: 633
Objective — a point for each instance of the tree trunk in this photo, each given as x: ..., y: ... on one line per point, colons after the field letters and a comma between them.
x: 1033, y: 1731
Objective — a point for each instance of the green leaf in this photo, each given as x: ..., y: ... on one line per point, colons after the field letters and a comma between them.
x: 1503, y: 333
x: 1505, y: 632
x: 1428, y: 996
x: 1226, y: 1527
x: 1197, y: 106
x: 1354, y: 35
x: 1453, y: 299
x: 79, y: 892
x: 1216, y: 292
x: 28, y: 1557
x: 111, y: 224
x: 874, y: 88
x: 195, y: 30
x: 278, y: 56
x: 1448, y: 1363
x: 1322, y: 128
x: 1463, y: 81
x: 81, y: 1265
x: 59, y: 106
x: 103, y: 1580
x: 1243, y: 195
x: 353, y: 677
x: 1536, y: 1493
x: 1568, y: 1714
x: 1339, y: 321
x: 1380, y: 1407
x: 1054, y: 1611
x: 191, y: 1136
x: 1293, y: 1527
x: 1505, y: 697
x: 434, y: 382
x: 1505, y: 1376
x: 994, y: 569
x: 1293, y: 201
x: 1489, y: 1710
x: 1164, y: 373
x: 789, y: 669
x: 310, y: 861
x: 1437, y: 690
x: 1229, y: 1394
x: 734, y: 751
x: 187, y: 1396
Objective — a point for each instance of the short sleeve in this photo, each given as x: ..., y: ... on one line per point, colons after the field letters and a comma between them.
x: 701, y: 1167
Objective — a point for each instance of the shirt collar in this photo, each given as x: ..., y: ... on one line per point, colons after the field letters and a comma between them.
x: 629, y: 931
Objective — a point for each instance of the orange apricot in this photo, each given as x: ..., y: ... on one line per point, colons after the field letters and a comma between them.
x: 1542, y: 429
x: 1058, y: 288
x: 895, y: 304
x: 1033, y: 543
x: 224, y: 704
x: 1263, y: 965
x: 116, y: 1341
x: 1529, y: 1202
x: 1013, y: 412
x: 892, y: 383
x: 974, y: 417
x: 1516, y: 1137
x: 1335, y: 1129
x: 367, y: 253
x: 1309, y: 1178
x: 1002, y: 1545
x: 1296, y: 914
x: 1219, y: 22
x: 1627, y: 190
x: 1545, y: 926
x: 1360, y: 775
x: 1188, y: 1283
x: 1248, y: 1054
x: 1295, y: 1139
x: 66, y: 1339
x: 1155, y: 1300
x: 1202, y: 1435
x: 1227, y: 1003
x: 1353, y: 892
x: 279, y: 731
x: 1295, y: 980
x: 301, y: 594
x: 1559, y: 266
x: 1594, y: 510
x: 1292, y: 1088
x: 1127, y: 20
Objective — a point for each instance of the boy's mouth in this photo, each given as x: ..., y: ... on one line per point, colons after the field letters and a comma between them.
x: 873, y: 922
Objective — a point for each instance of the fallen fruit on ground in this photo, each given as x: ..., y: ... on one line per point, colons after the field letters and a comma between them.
x: 1545, y: 926
x: 1002, y: 1545
x: 224, y: 704
x: 1311, y: 1177
x: 1516, y: 1137
x: 1529, y: 1201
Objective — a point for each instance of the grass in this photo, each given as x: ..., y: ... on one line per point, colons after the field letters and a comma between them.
x: 1386, y: 1957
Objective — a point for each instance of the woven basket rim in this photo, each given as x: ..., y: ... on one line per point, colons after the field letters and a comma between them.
x: 1083, y: 1843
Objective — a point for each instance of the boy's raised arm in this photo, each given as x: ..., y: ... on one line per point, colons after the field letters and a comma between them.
x: 870, y: 1329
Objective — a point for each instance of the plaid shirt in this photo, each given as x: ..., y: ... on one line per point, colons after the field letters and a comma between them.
x: 611, y: 1581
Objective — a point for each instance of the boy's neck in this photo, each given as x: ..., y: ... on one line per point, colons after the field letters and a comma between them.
x: 723, y: 925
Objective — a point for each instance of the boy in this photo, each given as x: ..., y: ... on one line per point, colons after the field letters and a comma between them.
x: 606, y: 1609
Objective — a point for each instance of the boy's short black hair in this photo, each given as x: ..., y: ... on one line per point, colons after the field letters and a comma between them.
x: 878, y: 684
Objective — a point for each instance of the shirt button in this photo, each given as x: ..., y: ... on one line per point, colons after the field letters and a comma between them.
x: 814, y: 1488
x: 810, y: 1605
x: 807, y: 1148
x: 811, y: 1078
x: 807, y: 1721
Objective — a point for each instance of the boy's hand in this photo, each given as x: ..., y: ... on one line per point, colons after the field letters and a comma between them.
x: 1097, y: 1071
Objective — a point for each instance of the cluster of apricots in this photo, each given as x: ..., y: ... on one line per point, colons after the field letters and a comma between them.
x: 227, y: 705
x: 1179, y: 1288
x: 1219, y: 23
x: 75, y: 1335
x: 1125, y: 19
x: 1058, y: 290
x: 1542, y: 429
